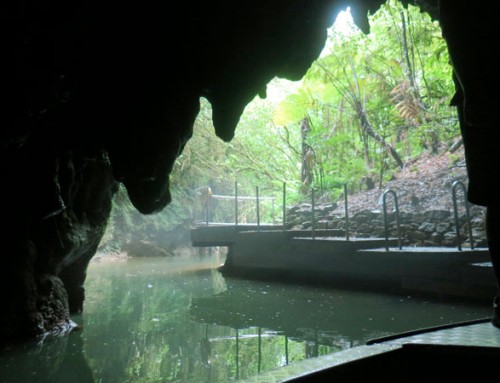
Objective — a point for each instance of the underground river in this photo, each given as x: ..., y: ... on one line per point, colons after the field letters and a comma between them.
x: 180, y: 320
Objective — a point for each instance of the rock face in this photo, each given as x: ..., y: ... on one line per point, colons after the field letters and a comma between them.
x: 53, y: 230
x: 99, y: 93
x: 429, y: 228
x: 424, y: 190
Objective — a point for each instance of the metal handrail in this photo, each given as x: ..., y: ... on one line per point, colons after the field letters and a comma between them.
x: 455, y: 210
x: 207, y: 212
x: 208, y: 202
x: 209, y: 207
x: 346, y: 209
x: 235, y: 203
x: 258, y: 210
x: 313, y: 218
x: 284, y: 206
x: 386, y: 226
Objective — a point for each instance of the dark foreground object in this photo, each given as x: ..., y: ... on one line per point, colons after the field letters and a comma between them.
x: 415, y: 363
x: 447, y: 353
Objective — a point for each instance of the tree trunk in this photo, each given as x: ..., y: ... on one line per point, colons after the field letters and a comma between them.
x: 409, y: 65
x: 365, y: 125
x: 307, y: 174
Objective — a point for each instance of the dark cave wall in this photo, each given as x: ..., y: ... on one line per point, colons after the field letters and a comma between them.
x: 46, y: 256
x: 100, y: 93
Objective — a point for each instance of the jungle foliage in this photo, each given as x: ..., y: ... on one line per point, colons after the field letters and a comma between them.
x: 367, y: 106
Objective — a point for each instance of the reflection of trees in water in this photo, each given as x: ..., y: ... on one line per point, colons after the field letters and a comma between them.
x: 139, y: 328
x: 162, y: 320
x: 325, y: 317
x: 140, y: 323
x: 243, y: 353
x: 55, y: 359
x: 139, y: 314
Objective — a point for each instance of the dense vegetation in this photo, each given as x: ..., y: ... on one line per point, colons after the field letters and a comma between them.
x: 368, y: 105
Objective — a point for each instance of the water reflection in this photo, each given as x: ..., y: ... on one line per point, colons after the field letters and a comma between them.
x: 57, y: 359
x: 329, y: 316
x: 172, y: 320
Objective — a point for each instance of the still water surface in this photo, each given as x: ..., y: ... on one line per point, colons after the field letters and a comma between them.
x: 177, y: 320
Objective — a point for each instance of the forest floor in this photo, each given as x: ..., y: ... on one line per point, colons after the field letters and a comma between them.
x: 423, y: 184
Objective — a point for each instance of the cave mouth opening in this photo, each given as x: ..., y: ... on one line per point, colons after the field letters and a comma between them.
x: 203, y: 145
x: 56, y: 231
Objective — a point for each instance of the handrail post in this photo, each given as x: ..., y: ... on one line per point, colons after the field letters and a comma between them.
x: 259, y: 350
x: 346, y: 209
x: 272, y: 212
x: 384, y: 198
x: 236, y: 203
x: 284, y: 206
x: 455, y: 210
x: 209, y: 203
x: 313, y: 222
x: 257, y: 202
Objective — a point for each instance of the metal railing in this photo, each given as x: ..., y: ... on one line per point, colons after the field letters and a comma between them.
x: 386, y: 224
x: 207, y: 207
x: 257, y: 201
x: 313, y: 211
x: 455, y: 185
x: 284, y: 206
x: 346, y: 210
x: 208, y: 197
x: 313, y: 218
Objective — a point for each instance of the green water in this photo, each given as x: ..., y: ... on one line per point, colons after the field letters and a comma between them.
x: 176, y: 320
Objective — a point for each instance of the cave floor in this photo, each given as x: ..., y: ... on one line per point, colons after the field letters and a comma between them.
x: 445, y: 352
